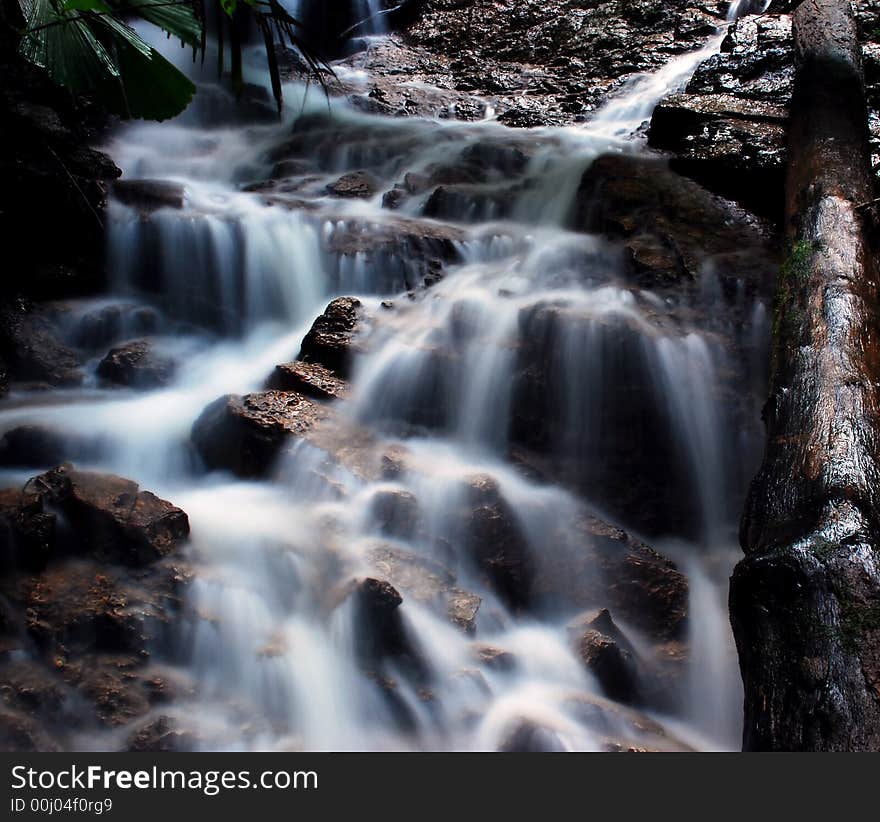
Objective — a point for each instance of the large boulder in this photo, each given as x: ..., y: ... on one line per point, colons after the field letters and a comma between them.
x: 244, y: 434
x: 111, y: 517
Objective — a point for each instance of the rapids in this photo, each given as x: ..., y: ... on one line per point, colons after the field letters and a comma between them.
x: 231, y: 283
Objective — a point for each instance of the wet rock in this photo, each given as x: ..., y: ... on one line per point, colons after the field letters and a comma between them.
x: 374, y: 86
x: 95, y: 627
x: 529, y: 737
x: 26, y: 686
x: 646, y: 588
x: 110, y: 686
x: 162, y: 734
x: 245, y: 434
x: 428, y: 582
x: 407, y: 253
x: 497, y: 543
x: 547, y: 62
x: 111, y: 517
x: 380, y: 633
x: 728, y: 129
x: 27, y: 530
x: 104, y: 325
x: 23, y: 734
x: 673, y: 226
x: 608, y: 655
x: 603, y: 564
x: 461, y: 608
x: 401, y: 236
x: 32, y: 351
x: 396, y: 512
x: 35, y: 445
x: 149, y: 195
x: 331, y: 342
x: 465, y: 203
x: 355, y: 184
x: 393, y: 462
x: 495, y: 658
x: 136, y: 365
x: 733, y: 146
x: 86, y: 608
x: 502, y: 158
x: 308, y: 379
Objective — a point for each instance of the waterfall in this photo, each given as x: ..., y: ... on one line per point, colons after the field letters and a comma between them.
x: 238, y: 268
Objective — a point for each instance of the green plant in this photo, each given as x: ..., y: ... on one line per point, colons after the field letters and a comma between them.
x: 87, y: 46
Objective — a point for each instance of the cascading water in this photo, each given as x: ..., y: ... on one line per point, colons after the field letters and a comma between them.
x: 236, y: 273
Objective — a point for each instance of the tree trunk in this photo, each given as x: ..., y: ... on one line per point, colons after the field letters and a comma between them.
x: 805, y: 602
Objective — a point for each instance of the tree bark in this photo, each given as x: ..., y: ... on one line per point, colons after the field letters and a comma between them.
x: 805, y: 601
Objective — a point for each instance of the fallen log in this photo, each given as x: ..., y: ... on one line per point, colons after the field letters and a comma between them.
x: 805, y: 601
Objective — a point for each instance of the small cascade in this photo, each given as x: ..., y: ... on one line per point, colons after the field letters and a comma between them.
x: 516, y: 397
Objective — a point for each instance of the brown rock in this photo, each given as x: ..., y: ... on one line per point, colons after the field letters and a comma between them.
x: 21, y: 733
x: 137, y: 365
x: 427, y: 582
x: 497, y: 542
x: 35, y: 445
x: 603, y: 564
x: 27, y: 530
x: 161, y: 735
x: 111, y: 517
x: 608, y: 655
x: 32, y: 351
x: 149, y: 195
x: 396, y: 512
x: 356, y: 184
x: 331, y: 340
x: 309, y: 379
x: 245, y: 434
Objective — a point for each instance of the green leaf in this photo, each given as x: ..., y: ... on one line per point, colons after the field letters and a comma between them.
x: 97, y: 54
x: 179, y: 19
x: 153, y: 88
x: 120, y: 31
x: 228, y: 6
x: 64, y: 45
x: 84, y: 5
